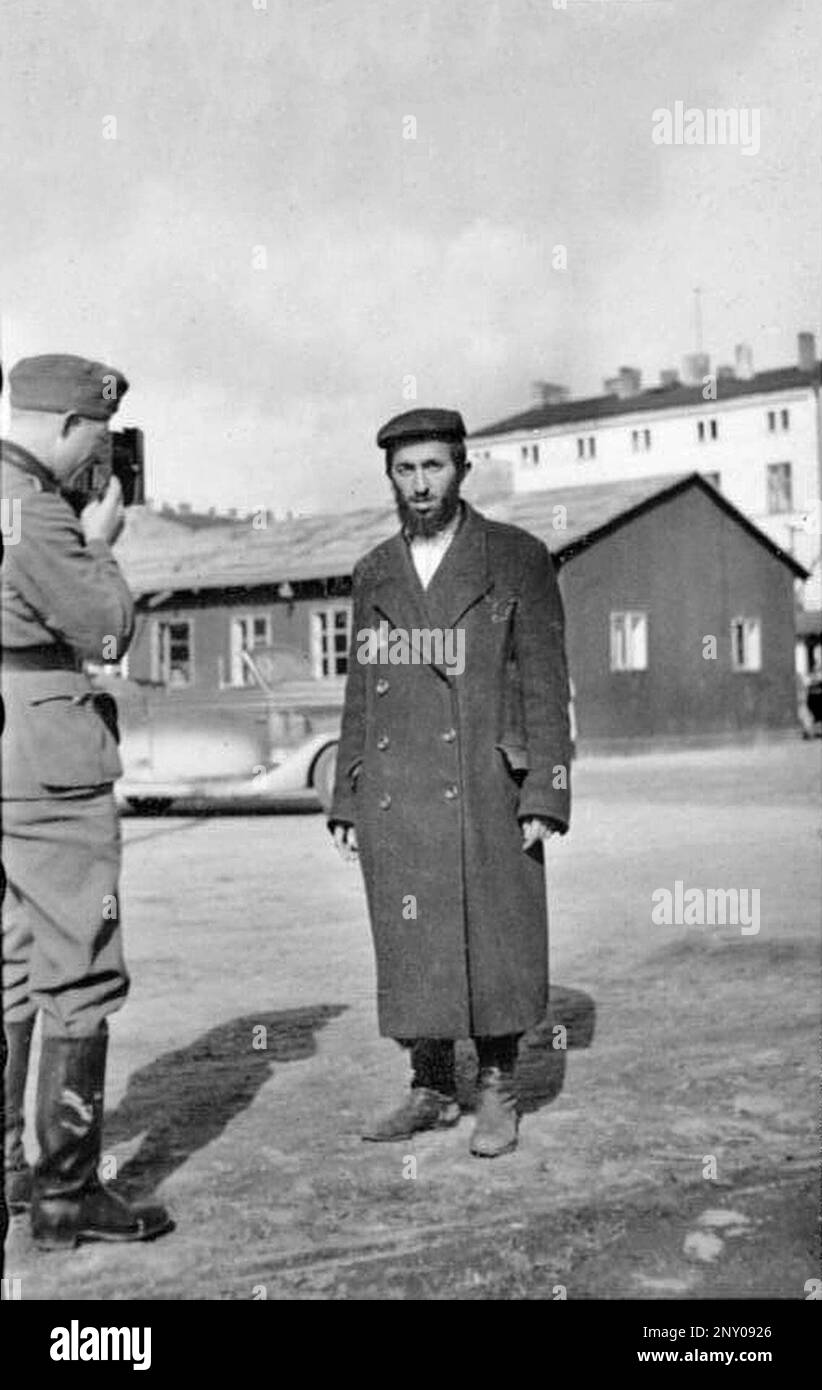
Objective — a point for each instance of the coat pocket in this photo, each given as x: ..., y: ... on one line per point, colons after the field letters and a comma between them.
x: 71, y: 741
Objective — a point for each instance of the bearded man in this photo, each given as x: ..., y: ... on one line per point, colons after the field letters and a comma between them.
x: 451, y: 776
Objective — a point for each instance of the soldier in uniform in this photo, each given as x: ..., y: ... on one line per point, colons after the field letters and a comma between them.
x: 450, y: 776
x: 64, y: 601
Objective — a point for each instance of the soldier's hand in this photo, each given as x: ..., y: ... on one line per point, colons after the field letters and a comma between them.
x: 345, y: 842
x: 104, y: 518
x: 536, y: 829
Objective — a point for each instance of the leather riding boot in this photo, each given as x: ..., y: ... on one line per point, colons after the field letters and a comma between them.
x: 69, y: 1203
x: 17, y: 1170
x: 495, y: 1131
x: 432, y: 1101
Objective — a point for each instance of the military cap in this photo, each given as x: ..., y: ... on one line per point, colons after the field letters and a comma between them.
x: 421, y: 424
x: 60, y: 383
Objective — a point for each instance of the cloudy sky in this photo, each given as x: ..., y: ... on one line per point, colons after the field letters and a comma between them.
x: 276, y: 266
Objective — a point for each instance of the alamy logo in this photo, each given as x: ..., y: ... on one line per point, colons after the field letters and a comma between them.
x: 76, y: 1343
x: 706, y: 907
x: 417, y: 646
x: 713, y: 126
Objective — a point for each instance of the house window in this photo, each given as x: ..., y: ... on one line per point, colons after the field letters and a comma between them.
x: 640, y: 441
x: 587, y: 447
x: 629, y: 641
x: 248, y: 631
x: 529, y: 453
x: 780, y: 490
x: 523, y: 452
x: 746, y: 646
x: 783, y: 417
x: 535, y: 453
x: 330, y: 640
x: 707, y: 429
x: 173, y: 654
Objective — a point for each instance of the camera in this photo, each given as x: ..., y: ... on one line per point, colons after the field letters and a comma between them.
x: 128, y: 464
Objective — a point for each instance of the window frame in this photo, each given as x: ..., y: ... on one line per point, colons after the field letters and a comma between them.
x: 745, y: 625
x: 770, y: 493
x: 252, y: 618
x: 158, y: 656
x: 317, y: 612
x: 626, y: 615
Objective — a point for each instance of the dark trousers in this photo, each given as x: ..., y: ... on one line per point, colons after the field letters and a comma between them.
x: 432, y: 1059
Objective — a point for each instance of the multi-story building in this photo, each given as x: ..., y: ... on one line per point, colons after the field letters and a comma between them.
x: 754, y: 435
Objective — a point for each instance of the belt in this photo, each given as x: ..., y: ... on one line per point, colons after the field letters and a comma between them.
x: 45, y: 658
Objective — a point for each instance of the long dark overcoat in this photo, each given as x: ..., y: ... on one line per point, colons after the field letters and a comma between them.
x: 436, y: 768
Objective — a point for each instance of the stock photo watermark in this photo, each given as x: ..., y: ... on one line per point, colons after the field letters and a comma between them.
x: 735, y: 126
x: 706, y: 907
x: 417, y: 646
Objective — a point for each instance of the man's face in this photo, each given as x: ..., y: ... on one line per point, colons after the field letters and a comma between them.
x: 82, y: 454
x: 426, y: 485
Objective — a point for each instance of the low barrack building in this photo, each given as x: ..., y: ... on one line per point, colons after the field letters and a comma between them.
x: 680, y: 611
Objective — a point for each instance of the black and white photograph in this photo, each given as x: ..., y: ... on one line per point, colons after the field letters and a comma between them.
x: 411, y: 455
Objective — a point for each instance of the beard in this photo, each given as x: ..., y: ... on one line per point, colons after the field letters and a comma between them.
x: 415, y: 524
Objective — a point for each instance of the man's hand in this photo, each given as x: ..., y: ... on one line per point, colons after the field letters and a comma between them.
x: 345, y: 842
x: 535, y: 829
x: 104, y: 518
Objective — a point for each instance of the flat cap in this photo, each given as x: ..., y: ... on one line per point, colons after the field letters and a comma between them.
x: 421, y: 424
x: 59, y: 382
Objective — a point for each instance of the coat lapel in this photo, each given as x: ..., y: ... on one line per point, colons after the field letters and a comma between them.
x: 398, y: 594
x: 462, y: 576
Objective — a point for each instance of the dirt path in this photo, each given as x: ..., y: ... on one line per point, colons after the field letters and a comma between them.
x: 670, y: 1151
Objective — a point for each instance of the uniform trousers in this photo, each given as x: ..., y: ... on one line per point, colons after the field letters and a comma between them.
x: 62, y: 934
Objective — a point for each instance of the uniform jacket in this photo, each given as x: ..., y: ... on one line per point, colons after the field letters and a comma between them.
x: 65, y: 602
x: 436, y: 769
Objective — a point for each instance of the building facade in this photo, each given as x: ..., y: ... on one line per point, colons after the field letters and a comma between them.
x: 756, y: 436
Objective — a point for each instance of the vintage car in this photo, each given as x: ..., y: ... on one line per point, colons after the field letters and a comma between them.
x: 241, y: 751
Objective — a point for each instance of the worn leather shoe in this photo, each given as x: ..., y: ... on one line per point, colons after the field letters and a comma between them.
x: 62, y: 1223
x: 422, y: 1109
x: 497, y: 1123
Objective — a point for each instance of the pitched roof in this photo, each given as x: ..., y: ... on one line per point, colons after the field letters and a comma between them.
x: 595, y: 408
x: 322, y: 547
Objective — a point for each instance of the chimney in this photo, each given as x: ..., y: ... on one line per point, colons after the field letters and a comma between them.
x: 669, y: 376
x: 695, y: 367
x: 626, y: 383
x: 744, y: 361
x: 806, y: 352
x: 549, y: 392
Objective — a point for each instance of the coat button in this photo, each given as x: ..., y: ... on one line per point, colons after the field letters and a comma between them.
x: 381, y: 686
x: 382, y: 742
x: 451, y: 793
x: 385, y: 802
x: 449, y: 735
